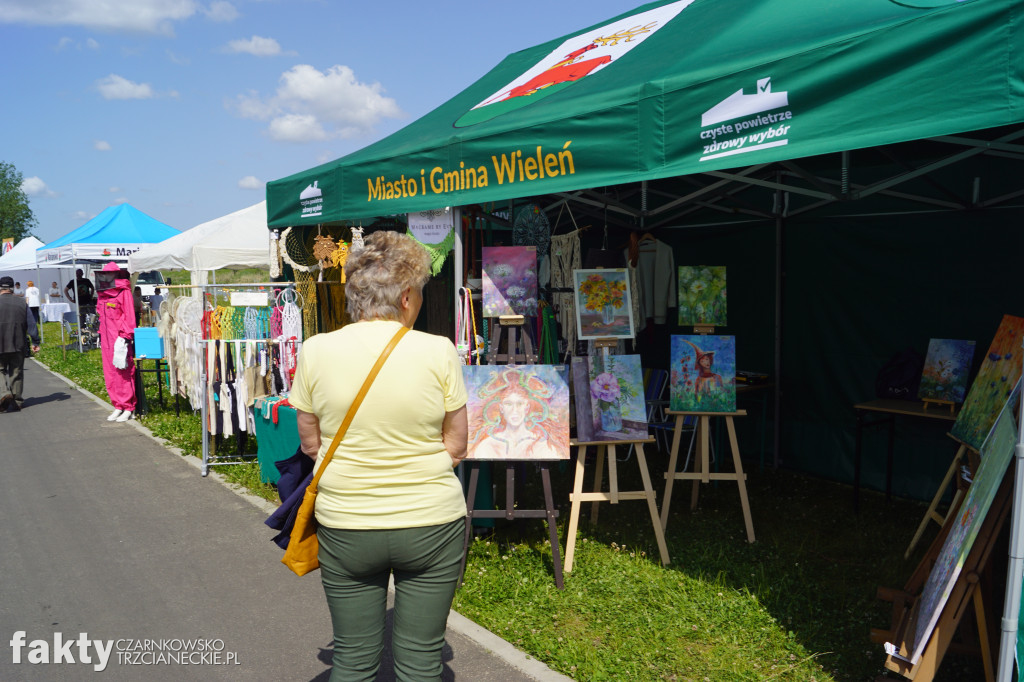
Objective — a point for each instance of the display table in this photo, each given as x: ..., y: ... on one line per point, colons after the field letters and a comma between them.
x: 275, y: 441
x: 885, y: 411
x: 53, y: 312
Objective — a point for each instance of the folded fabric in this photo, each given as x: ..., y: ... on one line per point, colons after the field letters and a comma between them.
x: 296, y: 475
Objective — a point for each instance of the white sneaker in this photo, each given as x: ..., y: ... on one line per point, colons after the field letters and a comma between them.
x: 125, y: 416
x: 114, y: 415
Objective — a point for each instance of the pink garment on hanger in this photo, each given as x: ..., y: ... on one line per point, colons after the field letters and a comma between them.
x: 116, y: 310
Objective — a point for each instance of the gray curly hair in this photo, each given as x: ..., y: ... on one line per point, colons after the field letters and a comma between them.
x: 377, y: 274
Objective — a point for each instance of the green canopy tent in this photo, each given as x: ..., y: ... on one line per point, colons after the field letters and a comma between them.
x: 749, y: 113
x: 676, y: 88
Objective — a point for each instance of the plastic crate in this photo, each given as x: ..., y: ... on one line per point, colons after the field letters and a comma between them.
x: 148, y: 343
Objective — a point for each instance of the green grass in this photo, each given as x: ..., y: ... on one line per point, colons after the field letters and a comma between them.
x: 797, y: 605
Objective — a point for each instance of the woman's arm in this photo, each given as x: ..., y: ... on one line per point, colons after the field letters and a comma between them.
x: 455, y: 434
x: 309, y: 432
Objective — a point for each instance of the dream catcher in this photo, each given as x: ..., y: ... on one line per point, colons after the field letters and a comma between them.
x: 531, y: 228
x: 296, y: 251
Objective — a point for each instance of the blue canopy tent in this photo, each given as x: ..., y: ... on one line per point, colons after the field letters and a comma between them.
x: 113, y: 235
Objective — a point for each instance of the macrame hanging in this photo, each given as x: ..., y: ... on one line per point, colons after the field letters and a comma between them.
x: 438, y: 252
x: 338, y: 257
x: 275, y: 253
x: 323, y: 247
x: 295, y: 252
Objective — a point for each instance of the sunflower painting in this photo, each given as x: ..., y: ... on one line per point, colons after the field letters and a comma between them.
x: 603, y: 304
x: 701, y: 295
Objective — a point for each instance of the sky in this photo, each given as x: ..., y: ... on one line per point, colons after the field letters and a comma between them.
x: 186, y: 108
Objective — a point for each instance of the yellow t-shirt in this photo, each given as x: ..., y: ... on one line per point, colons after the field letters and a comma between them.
x: 391, y: 469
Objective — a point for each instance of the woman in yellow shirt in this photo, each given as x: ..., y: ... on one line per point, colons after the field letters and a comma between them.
x: 389, y: 502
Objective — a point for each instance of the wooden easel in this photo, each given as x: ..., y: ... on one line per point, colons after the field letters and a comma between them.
x: 578, y: 497
x: 702, y: 472
x: 511, y: 510
x: 965, y: 594
x: 932, y: 514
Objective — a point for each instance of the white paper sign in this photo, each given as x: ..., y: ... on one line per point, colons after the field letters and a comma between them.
x: 242, y: 299
x: 431, y: 227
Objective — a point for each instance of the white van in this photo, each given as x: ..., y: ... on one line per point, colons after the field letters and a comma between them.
x: 149, y: 281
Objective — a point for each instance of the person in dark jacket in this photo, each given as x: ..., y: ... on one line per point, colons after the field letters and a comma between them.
x: 16, y: 323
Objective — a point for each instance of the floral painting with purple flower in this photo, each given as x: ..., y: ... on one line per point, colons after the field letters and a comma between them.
x: 946, y: 368
x: 609, y: 398
x: 510, y: 280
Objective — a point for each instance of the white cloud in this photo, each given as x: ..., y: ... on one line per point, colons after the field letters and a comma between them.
x: 63, y: 42
x: 121, y: 200
x: 312, y: 105
x: 148, y: 16
x: 257, y: 45
x: 119, y: 87
x: 115, y: 190
x: 92, y: 44
x: 101, y: 146
x: 35, y: 187
x: 221, y: 11
x: 250, y: 182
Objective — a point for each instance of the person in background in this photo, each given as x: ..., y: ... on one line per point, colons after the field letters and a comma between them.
x: 54, y: 291
x: 32, y: 297
x: 16, y: 324
x: 389, y: 503
x: 155, y: 300
x: 18, y: 291
x: 82, y: 291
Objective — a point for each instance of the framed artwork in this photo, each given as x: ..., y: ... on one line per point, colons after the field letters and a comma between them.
x: 509, y: 280
x: 999, y: 372
x: 703, y: 374
x: 517, y: 412
x: 603, y: 305
x: 609, y: 398
x: 702, y: 295
x: 996, y: 453
x: 946, y: 368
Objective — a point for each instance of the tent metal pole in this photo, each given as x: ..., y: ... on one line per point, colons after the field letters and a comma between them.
x: 777, y: 417
x: 78, y: 303
x: 40, y: 322
x: 458, y: 256
x: 1015, y: 567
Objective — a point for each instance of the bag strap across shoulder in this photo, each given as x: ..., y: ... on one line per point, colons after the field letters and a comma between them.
x: 355, y: 405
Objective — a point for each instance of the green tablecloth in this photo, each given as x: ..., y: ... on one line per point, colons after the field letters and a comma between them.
x: 276, y: 441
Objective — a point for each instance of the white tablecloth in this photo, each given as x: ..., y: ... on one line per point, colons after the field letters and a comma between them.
x: 53, y: 312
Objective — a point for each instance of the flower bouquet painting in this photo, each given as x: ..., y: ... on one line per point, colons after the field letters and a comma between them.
x: 609, y: 398
x: 603, y: 304
x: 702, y: 295
x: 946, y: 368
x: 510, y: 280
x: 703, y: 374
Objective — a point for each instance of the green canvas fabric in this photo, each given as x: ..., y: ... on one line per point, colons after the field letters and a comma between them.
x: 808, y: 78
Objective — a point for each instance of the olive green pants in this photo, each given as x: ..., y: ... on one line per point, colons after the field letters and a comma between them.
x: 355, y: 566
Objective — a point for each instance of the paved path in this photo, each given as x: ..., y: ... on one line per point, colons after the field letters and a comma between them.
x: 105, y: 531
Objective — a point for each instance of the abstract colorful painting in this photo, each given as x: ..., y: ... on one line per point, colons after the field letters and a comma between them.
x: 996, y: 453
x: 517, y: 411
x: 703, y: 374
x: 509, y: 280
x: 701, y: 295
x: 603, y: 304
x: 999, y: 372
x: 609, y: 398
x: 946, y: 368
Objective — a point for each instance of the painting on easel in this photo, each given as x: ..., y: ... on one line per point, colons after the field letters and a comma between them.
x: 509, y: 280
x: 517, y: 412
x: 703, y: 374
x: 609, y: 398
x: 603, y: 307
x: 996, y: 453
x: 702, y: 295
x: 999, y: 372
x: 946, y: 368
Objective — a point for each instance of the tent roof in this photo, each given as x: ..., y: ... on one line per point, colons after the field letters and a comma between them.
x: 236, y: 240
x: 675, y: 88
x: 112, y: 235
x: 22, y: 256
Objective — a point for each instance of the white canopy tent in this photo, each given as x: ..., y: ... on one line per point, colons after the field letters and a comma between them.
x: 22, y: 258
x: 237, y: 240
